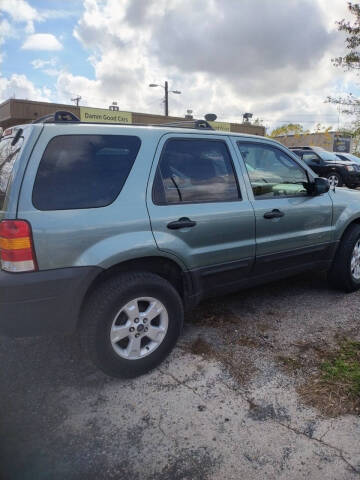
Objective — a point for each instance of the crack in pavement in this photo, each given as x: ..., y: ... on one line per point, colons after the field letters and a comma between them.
x: 319, y: 440
x: 252, y: 405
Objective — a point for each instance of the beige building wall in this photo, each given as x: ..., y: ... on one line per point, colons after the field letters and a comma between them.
x: 324, y: 140
x: 16, y: 111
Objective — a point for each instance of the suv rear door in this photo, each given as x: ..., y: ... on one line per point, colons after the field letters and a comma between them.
x: 198, y: 206
x: 293, y: 228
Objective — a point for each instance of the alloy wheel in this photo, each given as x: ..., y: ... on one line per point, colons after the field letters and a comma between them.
x: 139, y: 327
x: 333, y: 180
x: 355, y: 261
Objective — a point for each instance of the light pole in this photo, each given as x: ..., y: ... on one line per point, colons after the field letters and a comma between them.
x: 166, y: 98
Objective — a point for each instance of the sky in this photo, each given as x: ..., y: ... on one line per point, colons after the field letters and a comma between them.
x: 268, y: 57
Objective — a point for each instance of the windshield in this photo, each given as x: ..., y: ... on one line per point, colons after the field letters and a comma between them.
x: 8, y: 155
x: 325, y: 155
x: 349, y: 157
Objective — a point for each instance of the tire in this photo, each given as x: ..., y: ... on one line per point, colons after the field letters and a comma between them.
x: 335, y: 178
x: 353, y: 186
x: 105, y: 314
x: 341, y: 275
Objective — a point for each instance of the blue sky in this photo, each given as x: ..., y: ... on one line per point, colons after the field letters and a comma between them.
x: 226, y: 56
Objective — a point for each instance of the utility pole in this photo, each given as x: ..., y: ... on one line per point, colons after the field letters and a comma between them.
x: 166, y: 100
x: 76, y: 100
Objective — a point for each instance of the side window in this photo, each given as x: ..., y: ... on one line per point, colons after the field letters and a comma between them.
x: 272, y: 173
x: 195, y: 170
x: 83, y: 171
x: 310, y: 157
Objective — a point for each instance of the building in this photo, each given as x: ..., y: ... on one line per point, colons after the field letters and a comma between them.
x: 331, y: 141
x: 16, y: 112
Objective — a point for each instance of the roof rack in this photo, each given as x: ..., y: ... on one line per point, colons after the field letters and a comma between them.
x: 62, y: 116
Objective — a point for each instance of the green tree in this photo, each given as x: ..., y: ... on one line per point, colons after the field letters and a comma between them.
x: 351, y: 59
x: 288, y: 129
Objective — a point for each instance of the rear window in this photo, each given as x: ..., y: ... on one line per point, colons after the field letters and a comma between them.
x: 8, y: 155
x: 83, y: 171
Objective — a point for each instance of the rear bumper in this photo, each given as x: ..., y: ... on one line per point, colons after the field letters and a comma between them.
x: 43, y: 302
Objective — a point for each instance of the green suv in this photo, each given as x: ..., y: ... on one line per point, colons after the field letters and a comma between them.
x: 114, y: 231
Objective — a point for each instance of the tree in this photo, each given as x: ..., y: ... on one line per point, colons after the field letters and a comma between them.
x: 351, y: 60
x: 288, y: 129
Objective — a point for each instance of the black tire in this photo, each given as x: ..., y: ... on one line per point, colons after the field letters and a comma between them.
x: 353, y: 186
x: 103, y: 305
x: 340, y: 275
x: 338, y: 176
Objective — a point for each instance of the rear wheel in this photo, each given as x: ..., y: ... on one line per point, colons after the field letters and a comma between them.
x: 131, y: 323
x: 335, y: 179
x: 345, y: 271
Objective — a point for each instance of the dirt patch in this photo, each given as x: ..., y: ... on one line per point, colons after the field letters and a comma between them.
x: 237, y: 364
x: 214, y: 314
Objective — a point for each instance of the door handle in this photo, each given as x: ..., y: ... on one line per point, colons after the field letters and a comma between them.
x: 183, y: 222
x: 276, y: 213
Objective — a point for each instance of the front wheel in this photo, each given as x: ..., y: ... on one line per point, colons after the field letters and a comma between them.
x: 345, y: 271
x: 335, y: 179
x: 131, y: 323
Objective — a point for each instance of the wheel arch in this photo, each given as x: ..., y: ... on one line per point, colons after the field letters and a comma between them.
x: 164, y: 267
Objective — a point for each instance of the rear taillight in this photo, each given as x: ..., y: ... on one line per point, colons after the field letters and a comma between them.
x: 16, y: 246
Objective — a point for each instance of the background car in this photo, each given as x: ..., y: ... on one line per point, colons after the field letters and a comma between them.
x: 347, y: 157
x: 326, y: 164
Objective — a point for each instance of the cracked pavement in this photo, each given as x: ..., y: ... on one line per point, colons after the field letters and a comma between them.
x: 193, y: 418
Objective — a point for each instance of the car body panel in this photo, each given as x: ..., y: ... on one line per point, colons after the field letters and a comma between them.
x: 224, y: 231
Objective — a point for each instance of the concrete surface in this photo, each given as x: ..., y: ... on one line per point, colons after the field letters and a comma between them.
x: 228, y: 413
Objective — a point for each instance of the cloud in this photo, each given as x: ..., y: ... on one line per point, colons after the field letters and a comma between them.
x: 21, y: 11
x: 19, y: 86
x: 41, y: 41
x: 224, y: 57
x: 39, y: 63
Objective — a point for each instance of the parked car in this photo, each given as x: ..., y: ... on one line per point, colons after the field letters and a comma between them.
x: 113, y: 231
x: 347, y: 157
x: 328, y: 165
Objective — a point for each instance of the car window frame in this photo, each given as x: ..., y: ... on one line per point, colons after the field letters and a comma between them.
x: 307, y: 152
x: 275, y: 147
x: 82, y: 135
x: 192, y: 139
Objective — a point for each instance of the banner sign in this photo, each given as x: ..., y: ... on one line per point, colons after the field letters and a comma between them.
x: 342, y: 144
x: 102, y: 115
x: 223, y: 126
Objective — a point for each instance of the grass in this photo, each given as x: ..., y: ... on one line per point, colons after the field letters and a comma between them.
x: 335, y: 390
x: 344, y: 368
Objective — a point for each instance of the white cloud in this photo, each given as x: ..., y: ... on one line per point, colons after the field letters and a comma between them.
x: 224, y: 58
x: 38, y: 63
x: 41, y: 41
x: 21, y: 11
x: 19, y: 86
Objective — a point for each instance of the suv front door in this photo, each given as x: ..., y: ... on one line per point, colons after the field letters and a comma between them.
x: 199, y: 209
x: 293, y: 228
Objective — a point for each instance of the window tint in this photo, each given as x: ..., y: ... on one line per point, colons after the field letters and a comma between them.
x: 310, y: 157
x: 83, y: 171
x: 8, y: 155
x: 195, y: 171
x: 272, y: 173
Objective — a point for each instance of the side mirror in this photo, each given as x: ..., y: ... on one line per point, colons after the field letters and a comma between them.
x: 320, y: 186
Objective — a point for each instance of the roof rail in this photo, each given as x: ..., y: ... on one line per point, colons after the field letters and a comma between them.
x: 187, y: 124
x: 62, y: 116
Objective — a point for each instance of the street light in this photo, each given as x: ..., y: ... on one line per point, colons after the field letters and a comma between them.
x: 166, y: 98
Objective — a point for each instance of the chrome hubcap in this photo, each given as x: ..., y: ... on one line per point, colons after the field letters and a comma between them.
x: 355, y: 261
x: 333, y: 180
x: 139, y: 327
